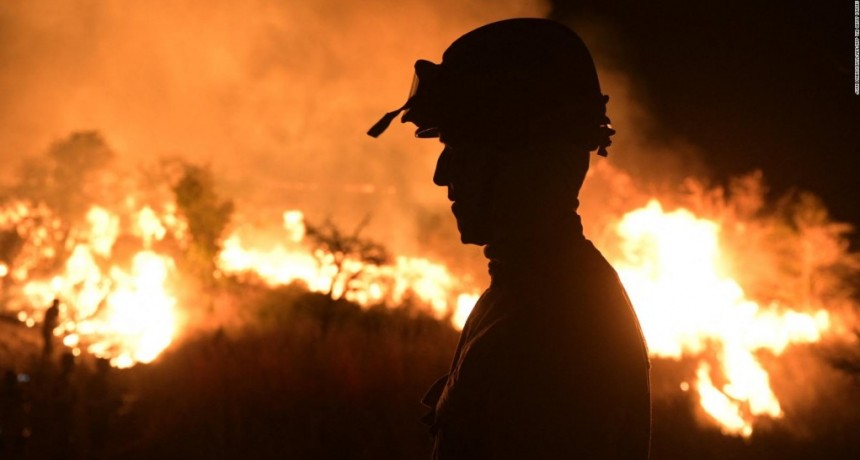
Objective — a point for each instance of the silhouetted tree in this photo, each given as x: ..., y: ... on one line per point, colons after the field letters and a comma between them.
x: 206, y: 213
x: 68, y: 177
x: 343, y: 248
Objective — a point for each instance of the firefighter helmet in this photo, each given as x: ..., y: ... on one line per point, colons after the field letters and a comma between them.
x: 513, y: 79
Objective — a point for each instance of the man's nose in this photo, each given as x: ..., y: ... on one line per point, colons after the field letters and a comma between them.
x: 442, y: 175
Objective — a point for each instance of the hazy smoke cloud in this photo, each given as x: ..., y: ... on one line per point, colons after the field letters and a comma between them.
x: 276, y: 96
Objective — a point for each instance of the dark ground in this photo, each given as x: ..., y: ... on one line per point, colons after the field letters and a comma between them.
x: 320, y: 380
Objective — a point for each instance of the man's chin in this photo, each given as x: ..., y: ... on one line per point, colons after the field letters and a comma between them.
x: 473, y: 234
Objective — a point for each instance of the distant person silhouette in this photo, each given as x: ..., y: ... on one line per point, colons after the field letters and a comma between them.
x: 52, y: 315
x: 551, y: 363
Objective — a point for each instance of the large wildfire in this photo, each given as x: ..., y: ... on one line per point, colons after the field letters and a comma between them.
x: 118, y: 275
x: 265, y: 92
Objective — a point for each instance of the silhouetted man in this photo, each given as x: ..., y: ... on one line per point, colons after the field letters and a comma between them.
x: 551, y: 362
x: 52, y: 314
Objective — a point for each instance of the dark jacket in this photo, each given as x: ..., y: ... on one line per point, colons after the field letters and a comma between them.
x: 551, y: 363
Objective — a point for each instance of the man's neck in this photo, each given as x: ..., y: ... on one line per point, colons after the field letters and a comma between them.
x: 538, y: 240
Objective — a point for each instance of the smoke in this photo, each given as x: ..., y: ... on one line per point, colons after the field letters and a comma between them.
x: 276, y: 96
x: 656, y: 159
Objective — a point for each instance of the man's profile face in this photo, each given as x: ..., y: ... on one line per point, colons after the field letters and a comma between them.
x: 503, y: 190
x: 466, y: 168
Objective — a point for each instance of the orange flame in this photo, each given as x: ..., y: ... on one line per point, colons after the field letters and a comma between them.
x: 126, y: 315
x: 429, y: 282
x: 672, y: 267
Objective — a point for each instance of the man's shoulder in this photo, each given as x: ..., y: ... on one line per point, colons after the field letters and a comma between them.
x: 524, y: 336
